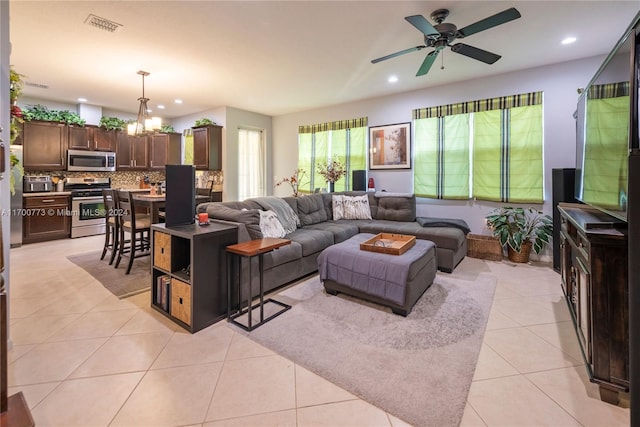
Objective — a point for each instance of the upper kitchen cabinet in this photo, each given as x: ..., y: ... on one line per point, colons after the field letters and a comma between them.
x: 91, y: 138
x: 44, y: 145
x: 164, y: 149
x: 207, y: 147
x: 132, y: 152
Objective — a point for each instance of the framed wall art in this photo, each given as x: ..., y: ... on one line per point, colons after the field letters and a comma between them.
x: 390, y: 146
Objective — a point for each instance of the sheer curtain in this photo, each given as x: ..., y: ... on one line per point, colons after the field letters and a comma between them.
x: 251, y: 168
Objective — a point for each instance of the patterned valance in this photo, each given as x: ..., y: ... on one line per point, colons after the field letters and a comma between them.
x: 609, y: 90
x: 187, y: 132
x: 501, y: 103
x: 339, y: 125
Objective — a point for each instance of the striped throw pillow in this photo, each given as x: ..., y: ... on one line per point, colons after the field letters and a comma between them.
x: 356, y: 207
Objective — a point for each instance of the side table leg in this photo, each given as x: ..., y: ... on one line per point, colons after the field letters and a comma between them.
x: 261, y: 288
x: 249, y: 308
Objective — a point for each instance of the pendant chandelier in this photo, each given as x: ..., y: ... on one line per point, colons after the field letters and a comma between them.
x: 144, y: 124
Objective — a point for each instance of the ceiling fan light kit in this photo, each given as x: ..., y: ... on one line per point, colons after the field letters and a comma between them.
x: 442, y: 34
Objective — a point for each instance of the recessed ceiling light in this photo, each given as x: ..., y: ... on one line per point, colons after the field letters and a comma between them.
x: 82, y: 99
x: 161, y: 107
x: 149, y: 110
x: 569, y: 40
x: 178, y: 101
x: 392, y: 79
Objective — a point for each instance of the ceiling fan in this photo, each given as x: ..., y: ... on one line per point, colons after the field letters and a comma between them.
x: 442, y: 34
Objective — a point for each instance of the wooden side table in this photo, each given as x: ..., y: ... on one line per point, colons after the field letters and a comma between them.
x: 248, y: 250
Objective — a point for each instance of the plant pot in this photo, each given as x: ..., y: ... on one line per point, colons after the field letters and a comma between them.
x: 331, y: 187
x: 522, y: 256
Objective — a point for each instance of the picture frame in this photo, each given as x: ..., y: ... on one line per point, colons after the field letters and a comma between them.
x: 390, y: 146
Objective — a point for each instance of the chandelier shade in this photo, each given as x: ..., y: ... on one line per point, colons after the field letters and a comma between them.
x: 144, y: 124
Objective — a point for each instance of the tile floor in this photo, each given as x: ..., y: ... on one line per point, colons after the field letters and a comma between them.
x: 84, y: 358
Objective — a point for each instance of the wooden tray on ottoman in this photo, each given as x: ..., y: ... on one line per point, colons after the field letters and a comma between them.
x: 388, y: 243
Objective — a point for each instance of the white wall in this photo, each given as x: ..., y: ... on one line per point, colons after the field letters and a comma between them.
x: 5, y: 48
x: 558, y: 82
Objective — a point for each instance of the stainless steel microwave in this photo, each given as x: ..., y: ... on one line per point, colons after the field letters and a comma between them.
x: 81, y: 160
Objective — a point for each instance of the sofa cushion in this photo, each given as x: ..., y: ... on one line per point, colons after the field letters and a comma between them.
x: 397, y: 208
x: 283, y: 254
x: 443, y: 237
x: 356, y: 207
x: 312, y: 241
x: 341, y: 230
x: 249, y: 217
x: 311, y: 209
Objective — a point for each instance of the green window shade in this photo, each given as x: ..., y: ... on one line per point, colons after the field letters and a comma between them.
x: 339, y: 152
x: 507, y: 155
x: 442, y: 157
x: 525, y: 155
x: 188, y: 150
x: 320, y: 155
x: 358, y: 148
x: 305, y: 155
x: 605, y: 157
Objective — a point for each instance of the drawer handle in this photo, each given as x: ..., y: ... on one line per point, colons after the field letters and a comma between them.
x: 162, y: 251
x: 180, y: 300
x: 48, y: 200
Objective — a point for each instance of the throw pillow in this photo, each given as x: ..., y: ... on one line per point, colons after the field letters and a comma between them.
x: 337, y: 207
x: 270, y: 226
x: 356, y: 207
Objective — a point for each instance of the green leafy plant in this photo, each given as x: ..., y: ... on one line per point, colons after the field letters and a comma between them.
x: 516, y: 226
x: 204, y: 122
x: 112, y: 123
x: 43, y: 113
x: 17, y: 172
x: 167, y: 129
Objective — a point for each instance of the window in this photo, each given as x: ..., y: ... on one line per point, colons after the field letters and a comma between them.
x: 488, y: 149
x: 343, y: 140
x: 251, y: 164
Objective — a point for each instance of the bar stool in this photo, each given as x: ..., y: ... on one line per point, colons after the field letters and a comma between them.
x: 138, y: 225
x: 112, y: 226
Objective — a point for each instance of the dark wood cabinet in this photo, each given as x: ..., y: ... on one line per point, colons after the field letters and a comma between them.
x: 44, y: 145
x: 189, y: 272
x: 593, y: 268
x: 91, y: 138
x: 164, y: 149
x: 207, y: 147
x: 132, y: 152
x: 46, y: 218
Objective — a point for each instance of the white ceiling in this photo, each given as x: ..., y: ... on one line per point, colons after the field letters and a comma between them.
x: 278, y: 57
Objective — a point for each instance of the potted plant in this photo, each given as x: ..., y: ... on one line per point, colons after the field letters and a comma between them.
x: 332, y: 171
x: 521, y: 230
x: 293, y: 181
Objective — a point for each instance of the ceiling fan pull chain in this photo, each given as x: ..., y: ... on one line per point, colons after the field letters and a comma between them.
x: 442, y: 58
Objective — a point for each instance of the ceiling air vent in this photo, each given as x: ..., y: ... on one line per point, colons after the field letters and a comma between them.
x: 38, y: 85
x: 102, y: 23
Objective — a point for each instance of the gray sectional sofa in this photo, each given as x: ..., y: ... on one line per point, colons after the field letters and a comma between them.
x: 318, y: 230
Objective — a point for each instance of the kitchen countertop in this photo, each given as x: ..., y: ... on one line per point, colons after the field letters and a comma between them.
x: 47, y: 193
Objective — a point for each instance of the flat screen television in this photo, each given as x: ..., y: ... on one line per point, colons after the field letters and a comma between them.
x: 604, y: 132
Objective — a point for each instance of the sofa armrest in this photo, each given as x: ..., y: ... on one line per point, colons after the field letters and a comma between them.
x: 243, y: 233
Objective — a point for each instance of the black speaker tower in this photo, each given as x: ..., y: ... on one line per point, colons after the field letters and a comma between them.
x: 359, y: 180
x: 563, y: 191
x: 180, y: 204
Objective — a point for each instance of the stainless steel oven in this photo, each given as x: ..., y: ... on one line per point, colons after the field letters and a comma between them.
x: 87, y: 205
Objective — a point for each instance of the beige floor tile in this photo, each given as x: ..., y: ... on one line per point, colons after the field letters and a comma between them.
x: 497, y: 320
x: 397, y: 422
x: 527, y: 352
x: 78, y: 301
x: 37, y: 329
x: 86, y: 402
x: 17, y: 351
x: 95, y: 325
x: 515, y: 401
x: 142, y: 299
x: 350, y: 413
x: 492, y: 365
x: 148, y: 320
x: 170, y: 397
x: 51, y: 361
x: 243, y: 348
x: 126, y: 353
x: 470, y: 418
x: 527, y: 311
x: 112, y: 303
x: 562, y: 335
x: 504, y: 291
x: 312, y: 389
x: 571, y: 389
x: 34, y: 394
x: 270, y: 419
x: 24, y: 307
x: 253, y: 386
x: 206, y: 346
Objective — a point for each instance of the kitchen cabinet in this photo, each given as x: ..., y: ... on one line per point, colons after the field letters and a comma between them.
x: 91, y: 138
x: 593, y: 270
x: 189, y: 272
x: 44, y: 145
x: 132, y: 152
x: 46, y: 218
x: 164, y: 149
x: 207, y: 147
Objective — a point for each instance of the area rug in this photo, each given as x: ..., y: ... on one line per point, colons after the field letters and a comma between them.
x: 120, y: 284
x: 417, y: 368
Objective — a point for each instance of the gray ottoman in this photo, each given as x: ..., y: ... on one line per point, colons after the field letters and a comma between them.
x: 396, y: 281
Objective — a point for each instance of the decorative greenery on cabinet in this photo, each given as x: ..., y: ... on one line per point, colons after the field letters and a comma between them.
x: 43, y: 113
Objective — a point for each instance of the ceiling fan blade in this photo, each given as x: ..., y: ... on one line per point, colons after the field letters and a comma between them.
x: 422, y: 25
x: 475, y: 53
x: 393, y: 55
x: 427, y: 63
x: 490, y: 22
